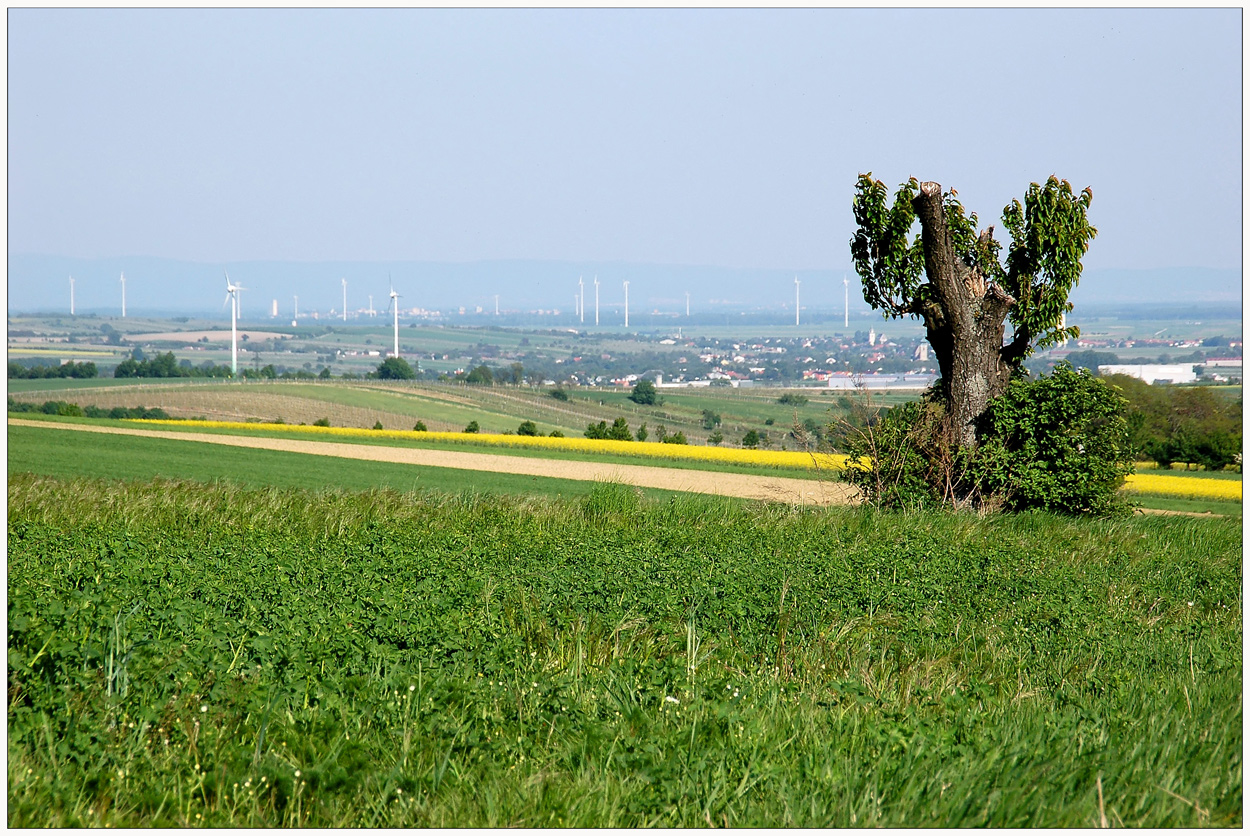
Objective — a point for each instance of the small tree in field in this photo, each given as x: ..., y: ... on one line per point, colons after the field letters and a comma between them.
x: 644, y: 393
x: 396, y: 368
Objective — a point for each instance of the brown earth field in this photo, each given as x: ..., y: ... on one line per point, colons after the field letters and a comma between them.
x: 768, y: 488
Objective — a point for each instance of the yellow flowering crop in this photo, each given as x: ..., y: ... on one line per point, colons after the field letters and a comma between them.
x: 1184, y: 486
x: 790, y: 460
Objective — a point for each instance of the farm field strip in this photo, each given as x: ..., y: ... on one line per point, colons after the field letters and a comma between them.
x: 768, y: 488
x: 785, y: 460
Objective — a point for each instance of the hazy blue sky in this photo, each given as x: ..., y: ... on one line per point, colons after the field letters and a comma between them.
x: 719, y: 137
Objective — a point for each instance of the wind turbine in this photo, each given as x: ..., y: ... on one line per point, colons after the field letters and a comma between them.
x: 626, y: 304
x: 596, y: 300
x: 123, y: 295
x: 394, y: 305
x: 71, y: 295
x: 496, y: 304
x: 232, y: 298
x: 687, y: 304
x: 370, y: 304
x: 581, y: 300
x: 796, y: 300
x: 344, y: 300
x: 297, y: 307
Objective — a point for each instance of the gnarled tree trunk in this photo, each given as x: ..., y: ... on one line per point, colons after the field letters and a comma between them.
x: 964, y: 322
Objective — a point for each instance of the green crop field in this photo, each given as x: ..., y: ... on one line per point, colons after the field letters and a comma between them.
x: 188, y: 654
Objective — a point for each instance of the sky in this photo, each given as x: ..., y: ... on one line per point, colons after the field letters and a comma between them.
x: 726, y: 137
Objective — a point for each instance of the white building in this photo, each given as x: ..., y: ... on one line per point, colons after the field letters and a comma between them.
x: 1155, y: 372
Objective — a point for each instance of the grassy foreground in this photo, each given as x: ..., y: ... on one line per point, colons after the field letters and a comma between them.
x: 183, y: 655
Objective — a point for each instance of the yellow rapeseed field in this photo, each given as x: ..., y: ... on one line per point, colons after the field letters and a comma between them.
x: 1142, y: 483
x: 1184, y: 486
x: 786, y: 460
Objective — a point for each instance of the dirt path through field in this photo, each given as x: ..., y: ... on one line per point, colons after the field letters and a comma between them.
x: 771, y: 488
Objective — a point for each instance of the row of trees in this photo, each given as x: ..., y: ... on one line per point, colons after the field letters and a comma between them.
x: 40, y: 372
x: 619, y: 431
x: 1190, y: 424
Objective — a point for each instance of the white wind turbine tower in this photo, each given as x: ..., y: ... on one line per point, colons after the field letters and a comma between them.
x: 581, y: 300
x: 846, y: 310
x: 123, y: 280
x: 344, y: 300
x: 297, y: 307
x: 596, y: 300
x: 496, y: 304
x: 796, y: 300
x: 232, y: 298
x: 394, y: 306
x: 71, y: 295
x: 626, y: 304
x: 370, y: 304
x: 687, y: 303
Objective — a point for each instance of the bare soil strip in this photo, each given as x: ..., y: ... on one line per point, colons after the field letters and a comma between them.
x: 769, y: 488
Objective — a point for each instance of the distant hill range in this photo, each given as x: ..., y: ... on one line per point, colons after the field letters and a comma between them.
x: 40, y: 283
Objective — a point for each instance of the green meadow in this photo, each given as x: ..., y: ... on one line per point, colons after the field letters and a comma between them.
x: 212, y: 654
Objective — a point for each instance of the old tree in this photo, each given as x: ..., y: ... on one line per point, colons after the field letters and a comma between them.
x: 951, y: 277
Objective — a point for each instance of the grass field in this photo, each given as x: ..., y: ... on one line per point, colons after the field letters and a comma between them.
x: 142, y: 459
x: 183, y: 654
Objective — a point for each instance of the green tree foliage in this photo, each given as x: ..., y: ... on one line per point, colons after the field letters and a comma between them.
x: 792, y: 399
x: 165, y: 365
x: 321, y: 422
x: 1091, y: 359
x: 396, y: 368
x: 527, y: 428
x: 559, y: 394
x: 751, y: 439
x: 644, y: 393
x: 716, y: 438
x: 619, y: 431
x: 711, y: 420
x: 481, y: 376
x: 1189, y: 424
x: 419, y: 427
x: 599, y: 430
x: 377, y: 425
x: 38, y: 372
x: 472, y: 427
x: 641, y: 435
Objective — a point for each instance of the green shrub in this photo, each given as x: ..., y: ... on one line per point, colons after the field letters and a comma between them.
x: 1058, y: 443
x: 419, y: 427
x: 472, y: 427
x: 321, y: 422
x: 792, y: 399
x: 527, y: 428
x: 377, y: 425
x: 559, y: 394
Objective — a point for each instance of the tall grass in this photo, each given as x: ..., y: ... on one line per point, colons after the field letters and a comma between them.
x: 383, y: 659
